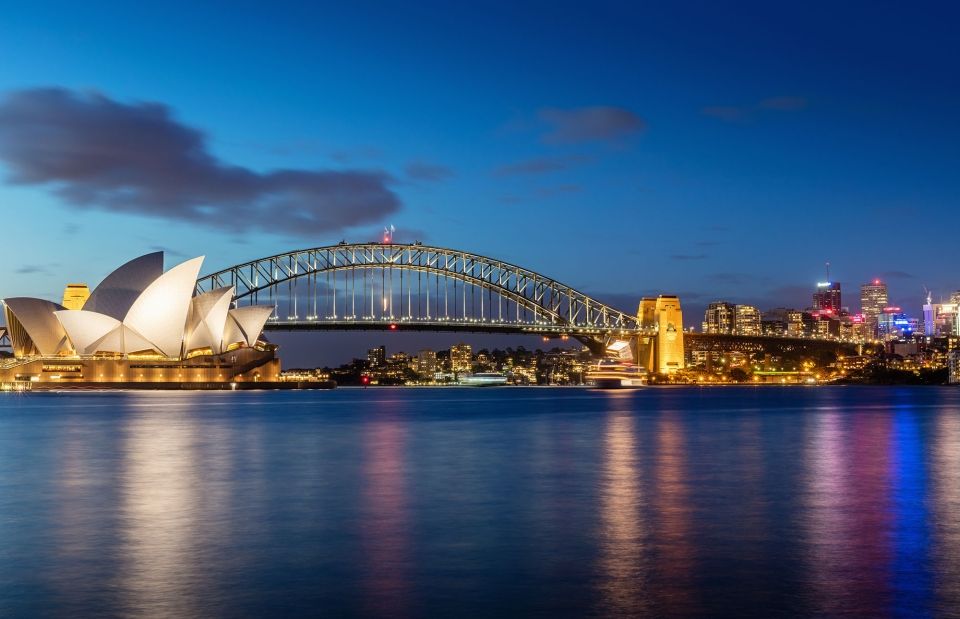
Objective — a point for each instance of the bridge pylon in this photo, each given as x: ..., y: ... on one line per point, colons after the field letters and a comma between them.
x: 660, y: 347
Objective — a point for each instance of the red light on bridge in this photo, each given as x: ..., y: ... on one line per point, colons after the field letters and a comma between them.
x: 393, y: 326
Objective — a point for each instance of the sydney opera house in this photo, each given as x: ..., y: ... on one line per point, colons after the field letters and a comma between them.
x: 141, y: 326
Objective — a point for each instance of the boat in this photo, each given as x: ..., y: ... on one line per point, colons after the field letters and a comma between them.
x: 484, y: 379
x: 616, y: 374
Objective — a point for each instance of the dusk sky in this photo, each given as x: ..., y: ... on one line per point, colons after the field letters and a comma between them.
x: 622, y: 148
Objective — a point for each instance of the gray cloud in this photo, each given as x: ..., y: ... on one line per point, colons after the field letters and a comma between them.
x: 541, y: 165
x: 897, y: 275
x: 35, y: 269
x: 744, y: 113
x: 598, y: 123
x: 136, y: 158
x: 422, y: 171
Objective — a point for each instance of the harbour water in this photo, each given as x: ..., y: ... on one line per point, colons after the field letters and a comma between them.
x: 467, y: 502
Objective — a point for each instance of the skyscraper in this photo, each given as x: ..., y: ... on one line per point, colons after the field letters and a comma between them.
x: 827, y: 297
x: 873, y: 298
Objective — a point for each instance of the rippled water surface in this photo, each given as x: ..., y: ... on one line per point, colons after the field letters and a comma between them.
x: 486, y: 502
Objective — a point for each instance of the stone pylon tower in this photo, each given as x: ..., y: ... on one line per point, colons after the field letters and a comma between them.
x: 663, y: 350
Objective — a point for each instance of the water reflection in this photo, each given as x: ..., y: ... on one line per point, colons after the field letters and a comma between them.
x: 946, y: 508
x: 160, y: 498
x: 847, y: 513
x: 385, y: 522
x: 676, y: 556
x: 625, y: 586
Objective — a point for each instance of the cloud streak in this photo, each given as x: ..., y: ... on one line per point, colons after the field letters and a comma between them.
x: 745, y: 113
x: 137, y: 158
x: 430, y: 172
x: 599, y: 123
x: 541, y: 165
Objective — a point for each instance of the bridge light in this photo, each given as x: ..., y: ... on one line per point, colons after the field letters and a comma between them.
x: 393, y: 326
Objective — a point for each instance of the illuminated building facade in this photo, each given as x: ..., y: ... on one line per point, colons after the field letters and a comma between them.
x: 140, y: 324
x: 720, y: 317
x: 426, y: 364
x: 75, y: 295
x: 873, y: 298
x: 827, y: 297
x: 461, y: 359
x: 669, y: 349
x: 377, y: 357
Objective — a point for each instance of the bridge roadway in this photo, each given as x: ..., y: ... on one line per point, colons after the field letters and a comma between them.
x: 706, y: 342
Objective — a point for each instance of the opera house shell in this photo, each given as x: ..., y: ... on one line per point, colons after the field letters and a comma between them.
x: 140, y: 313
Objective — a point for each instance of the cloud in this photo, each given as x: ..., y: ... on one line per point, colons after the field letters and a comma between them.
x: 35, y: 269
x: 541, y: 165
x: 598, y: 123
x: 745, y: 113
x: 688, y: 256
x: 422, y: 171
x: 559, y: 190
x: 168, y: 251
x: 897, y: 275
x: 136, y: 158
x: 352, y: 155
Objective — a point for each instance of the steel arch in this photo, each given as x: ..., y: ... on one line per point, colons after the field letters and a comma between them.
x: 557, y: 303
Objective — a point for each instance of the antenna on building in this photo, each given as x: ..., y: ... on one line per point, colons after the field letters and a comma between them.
x: 828, y: 271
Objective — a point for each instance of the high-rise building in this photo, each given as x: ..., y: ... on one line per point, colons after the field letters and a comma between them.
x: 377, y: 357
x: 75, y: 295
x: 746, y: 320
x: 461, y: 358
x: 873, y: 298
x: 719, y: 318
x: 426, y: 364
x: 827, y: 297
x: 726, y: 318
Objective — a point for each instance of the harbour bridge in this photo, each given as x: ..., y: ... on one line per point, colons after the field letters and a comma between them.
x: 415, y: 287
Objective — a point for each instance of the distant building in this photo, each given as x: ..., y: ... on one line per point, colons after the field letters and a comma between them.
x: 377, y: 357
x: 426, y: 364
x: 729, y: 319
x: 719, y: 318
x: 954, y: 365
x: 827, y: 297
x: 746, y: 320
x: 461, y: 358
x: 873, y: 298
x: 75, y: 295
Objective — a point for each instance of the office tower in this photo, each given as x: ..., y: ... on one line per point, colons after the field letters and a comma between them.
x: 873, y: 298
x: 426, y: 366
x: 827, y: 297
x: 746, y: 320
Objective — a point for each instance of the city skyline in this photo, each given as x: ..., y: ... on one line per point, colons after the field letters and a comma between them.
x: 711, y: 155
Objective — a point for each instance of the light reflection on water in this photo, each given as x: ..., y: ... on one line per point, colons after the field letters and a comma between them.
x: 668, y: 502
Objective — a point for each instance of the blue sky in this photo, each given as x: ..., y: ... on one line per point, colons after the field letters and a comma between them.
x: 715, y: 151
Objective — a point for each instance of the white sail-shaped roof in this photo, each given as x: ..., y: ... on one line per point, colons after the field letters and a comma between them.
x: 118, y: 291
x: 86, y: 328
x: 250, y: 320
x: 160, y: 313
x: 36, y: 316
x: 207, y: 320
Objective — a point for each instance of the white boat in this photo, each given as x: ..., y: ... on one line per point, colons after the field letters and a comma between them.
x: 616, y: 374
x: 484, y: 379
